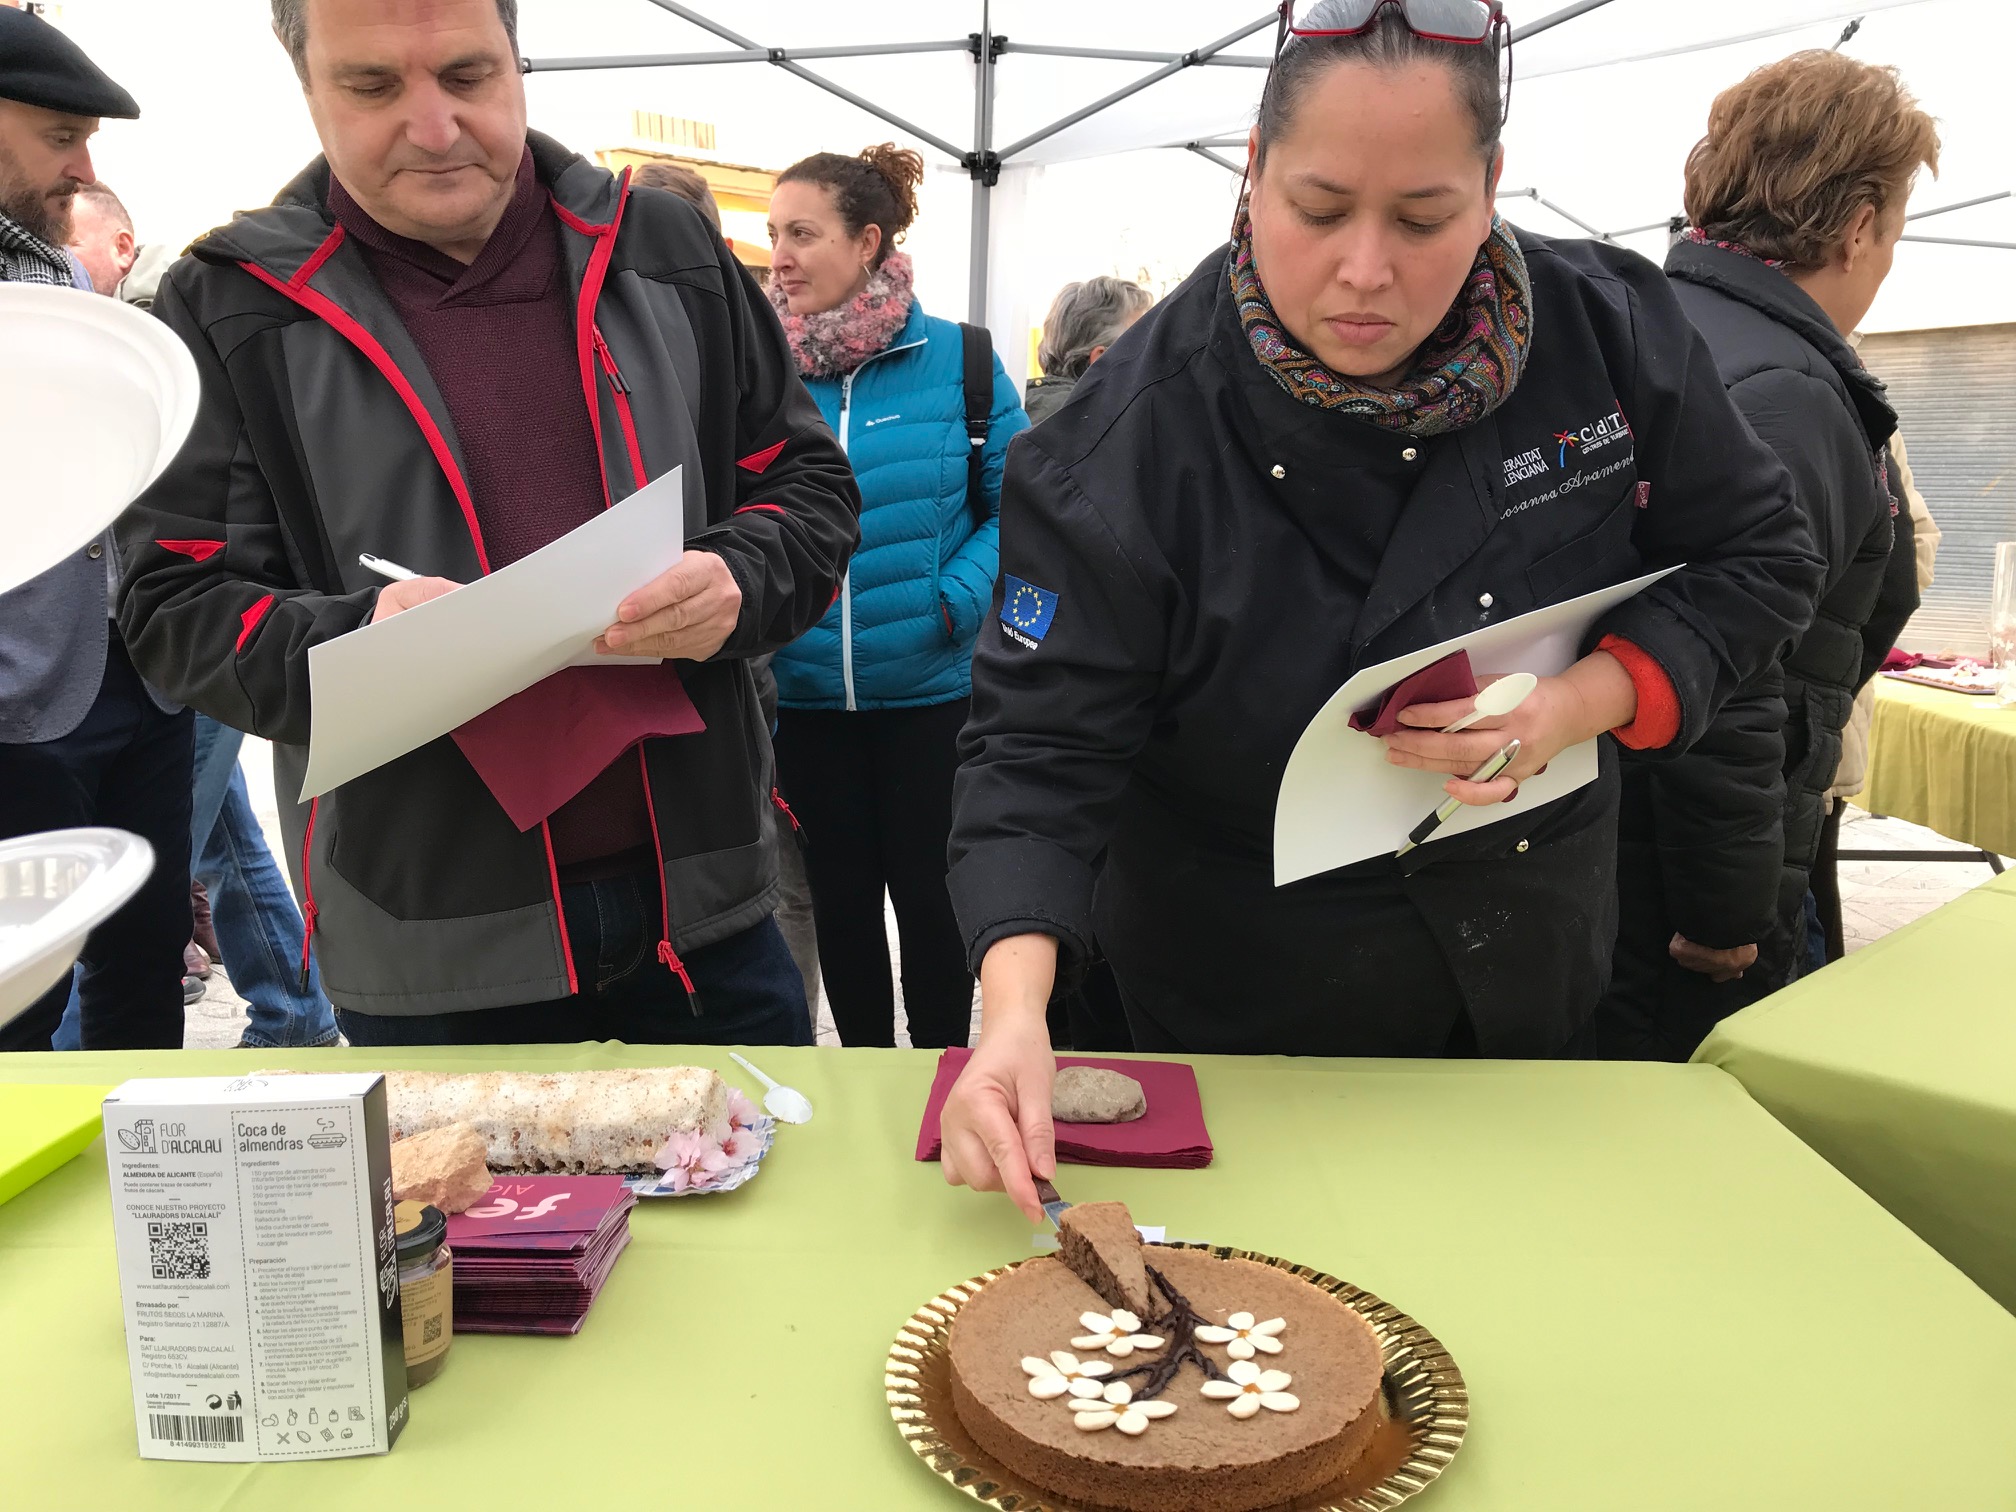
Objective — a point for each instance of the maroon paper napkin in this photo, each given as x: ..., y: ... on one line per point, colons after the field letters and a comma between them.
x: 518, y: 1206
x: 1170, y: 1135
x: 539, y: 748
x: 1444, y: 681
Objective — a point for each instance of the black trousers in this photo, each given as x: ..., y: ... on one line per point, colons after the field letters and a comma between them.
x: 873, y: 789
x: 130, y: 767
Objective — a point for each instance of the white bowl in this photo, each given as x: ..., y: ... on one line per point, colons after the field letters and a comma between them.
x: 54, y: 890
x: 96, y: 397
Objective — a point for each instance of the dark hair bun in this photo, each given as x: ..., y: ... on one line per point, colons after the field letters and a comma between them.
x: 876, y: 187
x: 903, y: 171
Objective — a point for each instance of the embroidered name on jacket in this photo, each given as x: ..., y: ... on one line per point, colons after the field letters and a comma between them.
x: 1586, y: 454
x: 1026, y: 611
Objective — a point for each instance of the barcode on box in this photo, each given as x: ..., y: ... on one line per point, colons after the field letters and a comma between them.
x: 196, y: 1428
x: 179, y: 1251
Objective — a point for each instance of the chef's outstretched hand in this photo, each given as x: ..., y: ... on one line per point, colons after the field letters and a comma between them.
x: 685, y: 613
x: 996, y: 1124
x: 1594, y: 695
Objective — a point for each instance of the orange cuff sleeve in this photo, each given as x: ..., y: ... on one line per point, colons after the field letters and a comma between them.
x: 1658, y: 719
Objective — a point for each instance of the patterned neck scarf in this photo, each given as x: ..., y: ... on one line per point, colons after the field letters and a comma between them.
x: 1701, y: 238
x: 26, y: 258
x: 1461, y: 373
x: 832, y: 342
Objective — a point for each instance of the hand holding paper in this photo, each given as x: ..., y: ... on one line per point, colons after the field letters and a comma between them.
x: 407, y: 593
x: 1594, y: 695
x: 687, y: 612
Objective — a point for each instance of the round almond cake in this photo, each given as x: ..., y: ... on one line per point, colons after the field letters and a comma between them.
x: 1239, y: 1386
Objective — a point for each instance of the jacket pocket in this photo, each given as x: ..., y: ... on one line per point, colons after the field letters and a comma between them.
x: 1593, y: 560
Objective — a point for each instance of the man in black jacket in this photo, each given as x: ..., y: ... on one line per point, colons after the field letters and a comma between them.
x: 448, y: 343
x: 1796, y: 198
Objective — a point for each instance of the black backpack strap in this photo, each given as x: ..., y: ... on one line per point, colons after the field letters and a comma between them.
x: 978, y: 351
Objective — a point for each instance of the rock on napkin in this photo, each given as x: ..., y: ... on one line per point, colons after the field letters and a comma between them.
x: 538, y: 748
x: 1170, y: 1135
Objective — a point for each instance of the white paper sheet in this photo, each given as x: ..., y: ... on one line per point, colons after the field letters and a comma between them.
x: 389, y: 688
x: 1342, y: 802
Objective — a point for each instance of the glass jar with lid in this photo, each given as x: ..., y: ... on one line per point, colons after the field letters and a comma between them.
x: 426, y: 1288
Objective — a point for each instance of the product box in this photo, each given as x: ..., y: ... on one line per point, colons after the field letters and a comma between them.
x: 253, y: 1219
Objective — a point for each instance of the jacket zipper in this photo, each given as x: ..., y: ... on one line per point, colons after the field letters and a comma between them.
x: 665, y: 951
x: 847, y: 579
x: 308, y: 909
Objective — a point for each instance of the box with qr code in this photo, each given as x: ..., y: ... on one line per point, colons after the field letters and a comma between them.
x: 252, y: 1217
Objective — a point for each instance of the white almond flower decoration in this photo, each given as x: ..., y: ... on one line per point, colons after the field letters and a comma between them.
x: 1251, y: 1388
x: 1116, y: 1408
x: 1064, y: 1373
x: 1241, y: 1336
x: 1119, y: 1333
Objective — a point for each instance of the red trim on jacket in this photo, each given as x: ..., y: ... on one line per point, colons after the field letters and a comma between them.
x: 586, y: 337
x: 196, y: 551
x: 665, y: 951
x: 1657, y: 721
x: 623, y: 415
x: 249, y: 621
x: 559, y: 910
x: 756, y: 462
x: 773, y: 508
x: 318, y: 257
x: 308, y: 909
x: 345, y: 325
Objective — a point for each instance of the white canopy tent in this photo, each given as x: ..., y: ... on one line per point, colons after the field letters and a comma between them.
x: 1608, y: 95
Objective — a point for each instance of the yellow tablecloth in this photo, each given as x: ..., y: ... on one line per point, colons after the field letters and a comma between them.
x: 1899, y: 1065
x: 1946, y: 761
x: 1661, y: 1300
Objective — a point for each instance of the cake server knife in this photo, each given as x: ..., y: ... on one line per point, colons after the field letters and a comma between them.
x: 1053, y: 1206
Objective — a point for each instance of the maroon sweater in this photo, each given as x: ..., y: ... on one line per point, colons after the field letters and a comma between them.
x: 498, y: 339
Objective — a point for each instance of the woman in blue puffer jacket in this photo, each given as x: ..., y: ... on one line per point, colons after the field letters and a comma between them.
x: 871, y: 699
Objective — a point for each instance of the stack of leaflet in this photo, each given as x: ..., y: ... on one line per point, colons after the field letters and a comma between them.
x: 531, y: 1257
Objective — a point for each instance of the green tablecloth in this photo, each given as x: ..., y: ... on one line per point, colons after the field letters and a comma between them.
x: 1899, y: 1065
x: 1663, y: 1302
x: 1946, y: 761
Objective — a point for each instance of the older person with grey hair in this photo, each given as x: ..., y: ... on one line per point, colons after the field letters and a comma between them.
x: 1084, y: 320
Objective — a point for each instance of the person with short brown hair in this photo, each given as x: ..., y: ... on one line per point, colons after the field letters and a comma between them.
x: 1795, y: 199
x: 677, y: 178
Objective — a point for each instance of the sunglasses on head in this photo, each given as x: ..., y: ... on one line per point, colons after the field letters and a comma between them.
x: 1470, y: 22
x: 1437, y: 20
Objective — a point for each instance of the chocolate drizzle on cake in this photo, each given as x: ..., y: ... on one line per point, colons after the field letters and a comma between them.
x: 1179, y: 1322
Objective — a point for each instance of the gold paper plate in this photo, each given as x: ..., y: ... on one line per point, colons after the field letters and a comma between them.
x: 1427, y: 1407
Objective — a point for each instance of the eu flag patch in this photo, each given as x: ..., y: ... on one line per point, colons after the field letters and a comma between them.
x: 1026, y: 610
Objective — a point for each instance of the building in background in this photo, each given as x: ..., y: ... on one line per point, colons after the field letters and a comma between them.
x: 742, y: 192
x: 1955, y: 392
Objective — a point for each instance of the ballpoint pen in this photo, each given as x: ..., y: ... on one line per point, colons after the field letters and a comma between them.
x: 384, y: 568
x: 1500, y: 759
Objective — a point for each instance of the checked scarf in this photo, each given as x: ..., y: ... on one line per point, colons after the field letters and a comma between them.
x: 26, y: 258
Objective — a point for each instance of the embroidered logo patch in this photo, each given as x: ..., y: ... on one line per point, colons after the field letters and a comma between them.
x: 1026, y: 611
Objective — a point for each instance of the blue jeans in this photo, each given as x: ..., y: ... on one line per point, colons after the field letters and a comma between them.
x: 258, y: 925
x: 749, y: 989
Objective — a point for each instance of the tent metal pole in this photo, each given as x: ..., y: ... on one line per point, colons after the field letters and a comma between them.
x: 982, y: 164
x: 1123, y: 55
x: 1986, y: 199
x: 1186, y: 60
x: 1658, y: 225
x: 1539, y: 199
x: 779, y: 57
x: 1955, y: 241
x: 1566, y: 13
x: 739, y: 55
x: 1211, y: 157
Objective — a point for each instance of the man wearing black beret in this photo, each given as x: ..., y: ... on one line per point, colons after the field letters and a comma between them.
x: 83, y: 740
x: 51, y: 100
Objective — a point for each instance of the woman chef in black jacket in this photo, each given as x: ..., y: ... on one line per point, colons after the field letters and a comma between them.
x: 1378, y: 420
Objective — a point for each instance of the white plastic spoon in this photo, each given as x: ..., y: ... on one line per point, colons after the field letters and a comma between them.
x: 1496, y: 700
x: 786, y: 1104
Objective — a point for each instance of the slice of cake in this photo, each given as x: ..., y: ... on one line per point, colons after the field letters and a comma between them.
x: 1101, y: 1246
x: 565, y: 1122
x: 1247, y: 1387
